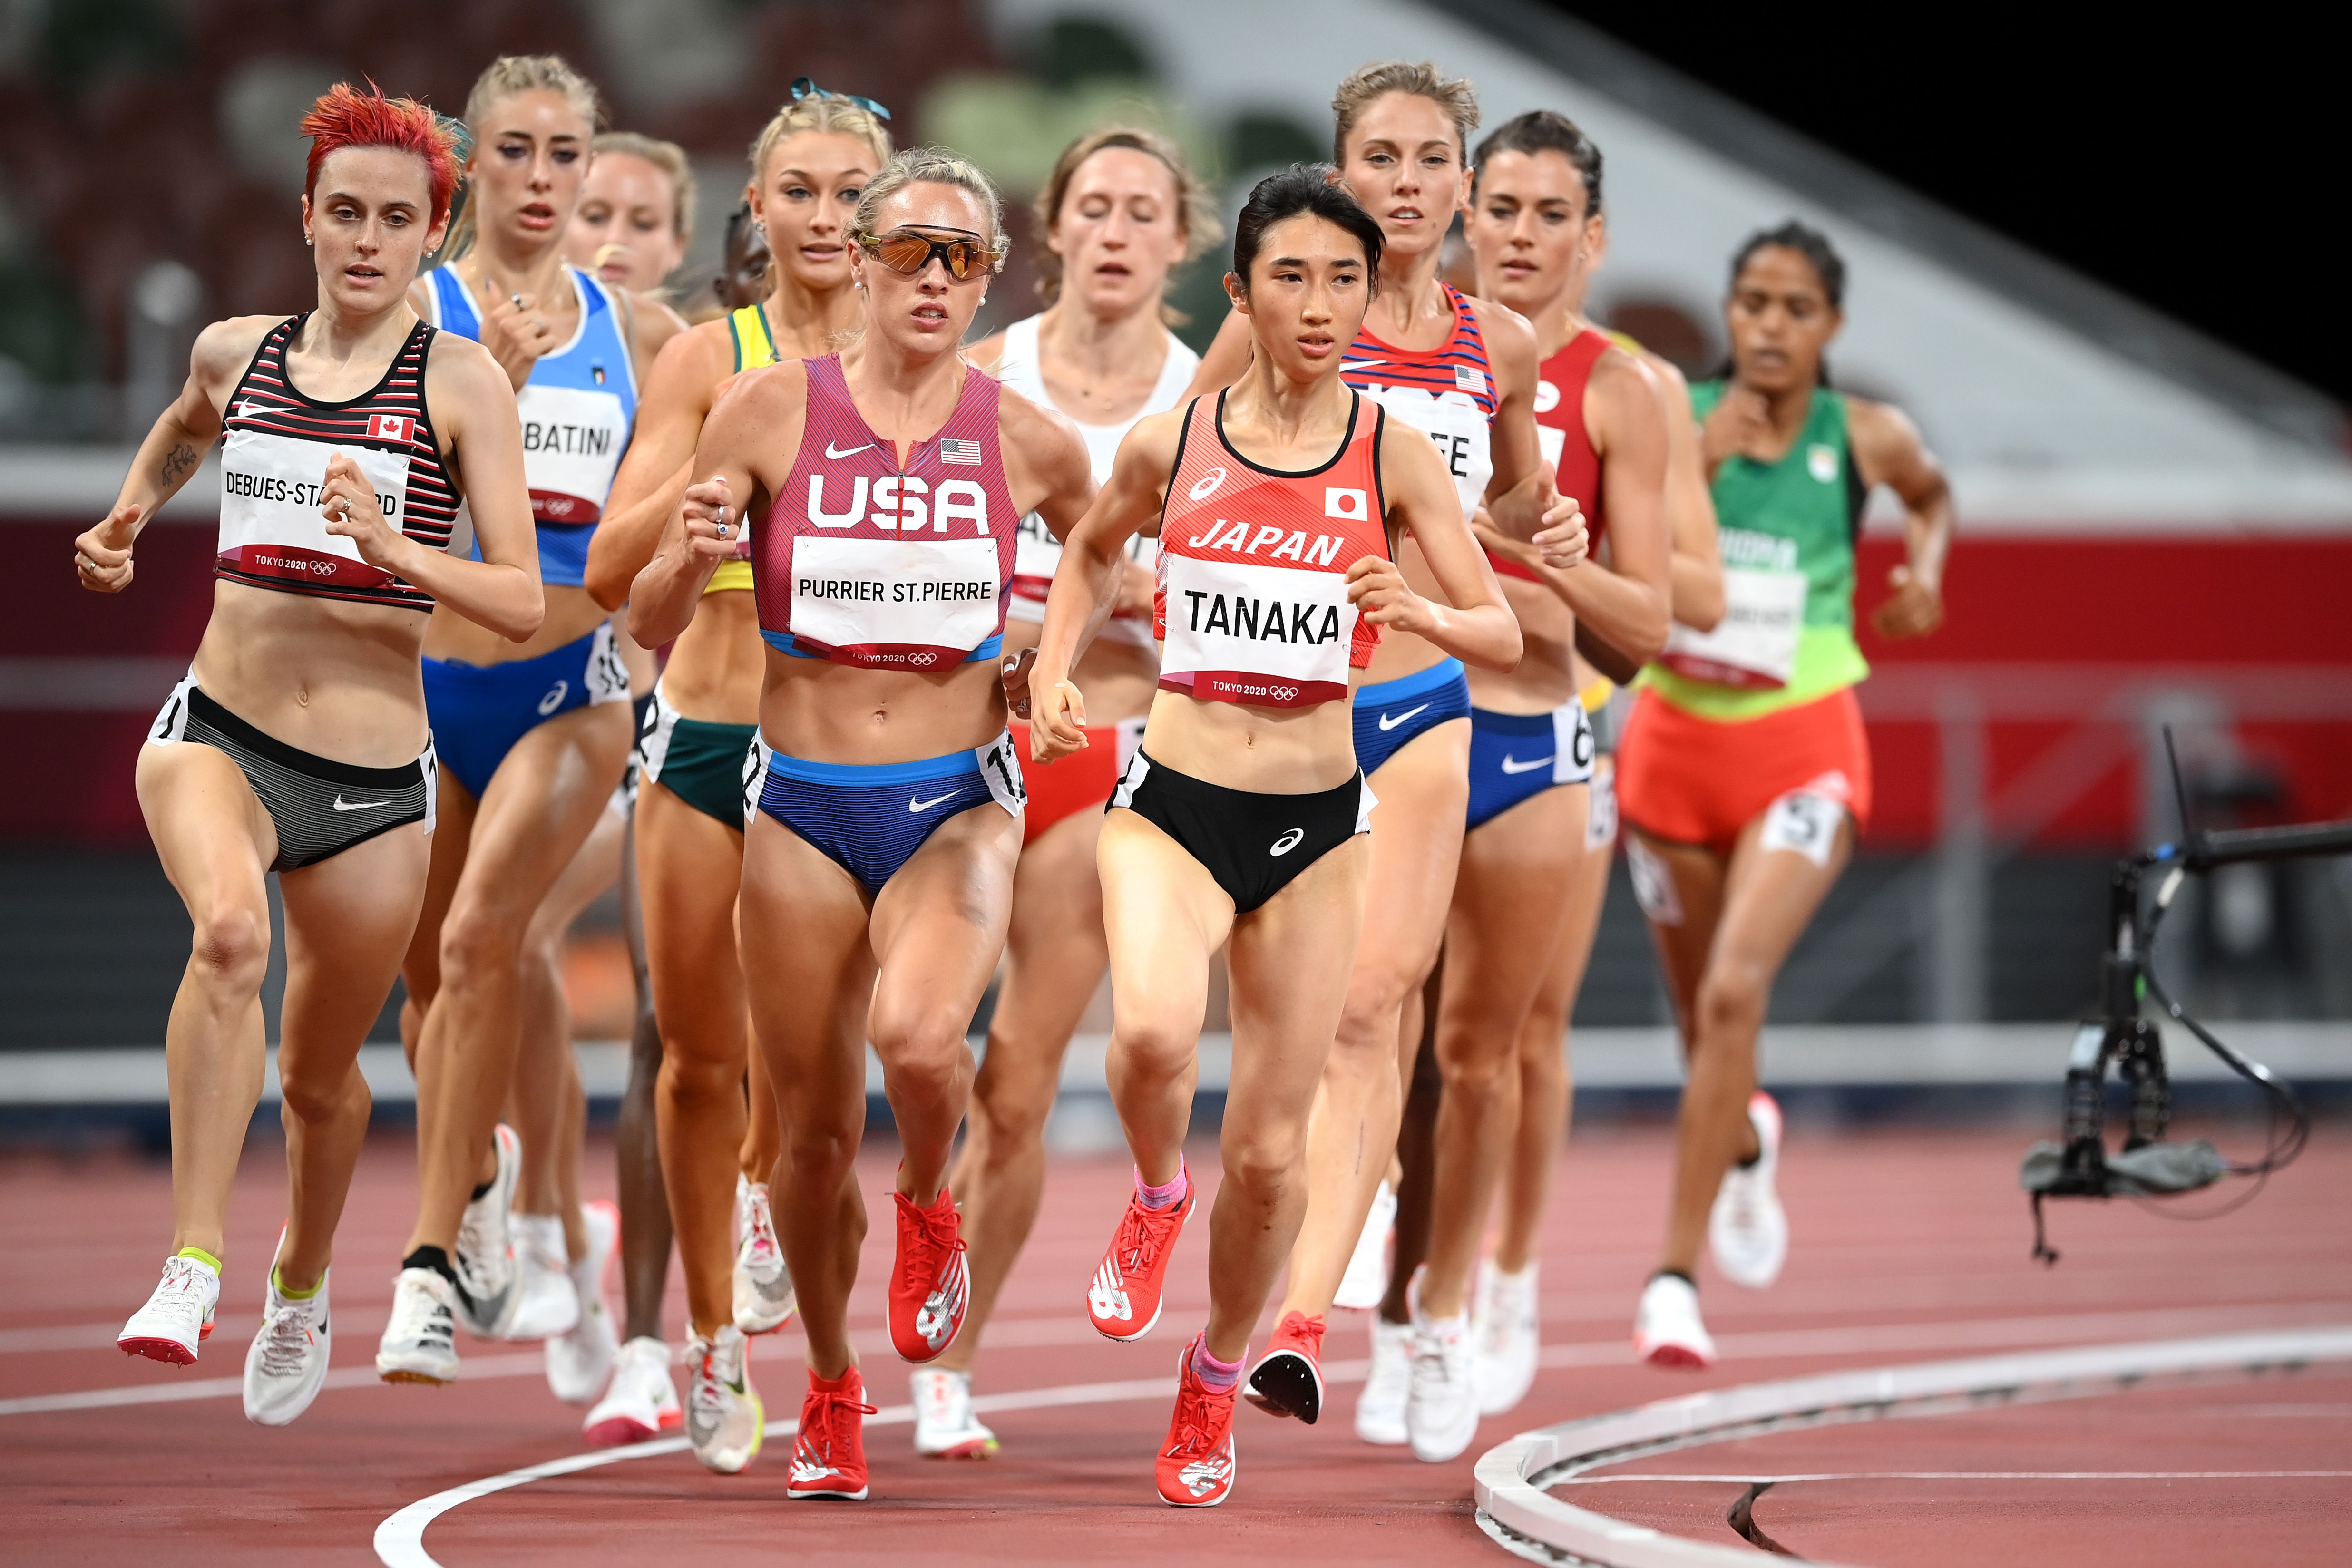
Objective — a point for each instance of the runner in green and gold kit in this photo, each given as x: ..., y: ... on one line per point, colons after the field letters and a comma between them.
x: 1744, y: 773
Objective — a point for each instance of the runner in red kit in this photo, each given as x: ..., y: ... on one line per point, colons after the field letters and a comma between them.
x: 1239, y: 818
x: 878, y: 873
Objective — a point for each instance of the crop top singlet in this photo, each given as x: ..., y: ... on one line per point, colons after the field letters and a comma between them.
x: 1253, y: 594
x: 1567, y: 446
x: 576, y: 409
x: 275, y: 446
x: 866, y: 560
x: 1447, y: 392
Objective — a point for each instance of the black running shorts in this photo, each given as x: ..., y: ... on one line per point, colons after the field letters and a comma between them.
x: 1255, y: 845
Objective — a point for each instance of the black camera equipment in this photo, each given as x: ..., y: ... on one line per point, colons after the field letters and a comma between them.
x: 2147, y: 1166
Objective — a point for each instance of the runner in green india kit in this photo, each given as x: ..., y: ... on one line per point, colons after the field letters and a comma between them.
x: 1744, y: 773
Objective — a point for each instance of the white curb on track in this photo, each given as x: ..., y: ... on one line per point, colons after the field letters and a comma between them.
x: 1517, y: 1512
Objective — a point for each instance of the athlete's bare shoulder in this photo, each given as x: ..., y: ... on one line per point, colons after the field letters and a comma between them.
x: 224, y: 349
x: 1154, y: 438
x: 1505, y: 329
x: 461, y: 366
x: 1023, y: 419
x: 1044, y: 441
x: 1887, y: 446
x: 693, y: 363
x: 763, y: 394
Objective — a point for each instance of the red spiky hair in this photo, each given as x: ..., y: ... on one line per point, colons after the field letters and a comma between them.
x: 346, y: 117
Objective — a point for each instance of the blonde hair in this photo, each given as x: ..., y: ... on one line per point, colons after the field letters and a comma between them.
x: 933, y: 166
x: 828, y: 112
x: 1196, y: 214
x: 501, y: 79
x: 1451, y: 94
x: 670, y: 159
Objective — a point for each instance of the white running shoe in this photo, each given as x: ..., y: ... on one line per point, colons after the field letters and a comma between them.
x: 483, y: 1258
x: 1748, y: 1230
x: 545, y: 1303
x: 420, y: 1342
x: 723, y: 1418
x: 945, y: 1427
x: 288, y: 1364
x: 1506, y: 1337
x: 1668, y: 1330
x: 1441, y: 1411
x: 764, y: 1298
x: 641, y: 1402
x: 579, y: 1363
x: 177, y: 1320
x: 1379, y: 1408
x: 1367, y: 1279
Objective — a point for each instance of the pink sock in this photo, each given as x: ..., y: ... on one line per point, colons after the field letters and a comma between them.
x: 1218, y: 1375
x: 1163, y: 1196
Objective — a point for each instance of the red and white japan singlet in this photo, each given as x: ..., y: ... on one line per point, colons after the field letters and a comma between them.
x: 275, y: 445
x: 1253, y: 605
x: 866, y: 560
x: 1567, y: 444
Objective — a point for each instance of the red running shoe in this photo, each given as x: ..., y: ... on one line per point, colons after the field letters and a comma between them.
x: 1123, y: 1302
x: 1196, y: 1464
x: 1289, y: 1378
x: 930, y: 1285
x: 829, y: 1454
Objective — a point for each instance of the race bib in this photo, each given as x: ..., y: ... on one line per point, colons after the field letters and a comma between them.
x: 1802, y: 823
x: 1755, y: 643
x: 1553, y: 441
x: 1458, y: 428
x: 1268, y: 635
x: 270, y: 524
x: 896, y: 603
x: 572, y: 444
x: 1036, y: 556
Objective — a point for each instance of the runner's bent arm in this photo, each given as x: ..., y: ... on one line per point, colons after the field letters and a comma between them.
x: 1690, y: 506
x: 476, y: 409
x: 1887, y: 451
x: 175, y: 448
x: 1086, y: 585
x: 760, y: 410
x: 1475, y: 626
x: 655, y: 470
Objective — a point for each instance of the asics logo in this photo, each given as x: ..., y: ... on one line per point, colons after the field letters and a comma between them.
x: 1391, y: 720
x: 831, y: 451
x: 1513, y: 765
x: 1288, y: 841
x: 554, y: 698
x: 343, y: 805
x: 1206, y: 486
x: 915, y: 805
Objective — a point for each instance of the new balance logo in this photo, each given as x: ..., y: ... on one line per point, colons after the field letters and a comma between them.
x: 1513, y: 765
x: 1108, y: 1295
x: 343, y: 805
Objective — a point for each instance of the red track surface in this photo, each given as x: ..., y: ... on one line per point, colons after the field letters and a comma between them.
x: 1908, y: 1247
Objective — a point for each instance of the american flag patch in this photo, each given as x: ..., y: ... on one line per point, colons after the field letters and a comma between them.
x: 962, y: 454
x: 1470, y: 379
x: 388, y: 427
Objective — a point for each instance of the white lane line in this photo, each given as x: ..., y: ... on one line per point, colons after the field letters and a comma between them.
x: 400, y: 1540
x: 1959, y: 1333
x: 1756, y: 1479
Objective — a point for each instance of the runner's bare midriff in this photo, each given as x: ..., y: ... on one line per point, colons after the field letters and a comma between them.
x: 336, y: 679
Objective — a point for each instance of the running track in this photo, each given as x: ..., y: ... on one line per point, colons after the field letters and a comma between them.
x: 1909, y: 1247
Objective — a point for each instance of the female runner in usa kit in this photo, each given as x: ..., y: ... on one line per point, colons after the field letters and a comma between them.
x: 1539, y: 234
x: 889, y: 483
x: 810, y: 165
x: 298, y: 745
x: 1120, y: 213
x: 1278, y: 503
x: 532, y: 739
x: 1744, y: 773
x: 1464, y: 374
x: 1537, y: 198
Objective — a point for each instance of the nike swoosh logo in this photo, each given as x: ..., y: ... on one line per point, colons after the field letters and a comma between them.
x: 853, y: 452
x: 1391, y: 720
x: 343, y: 805
x: 1347, y: 365
x: 1512, y: 764
x: 915, y: 805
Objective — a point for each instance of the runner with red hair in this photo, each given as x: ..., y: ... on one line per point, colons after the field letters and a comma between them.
x: 346, y: 117
x: 298, y: 744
